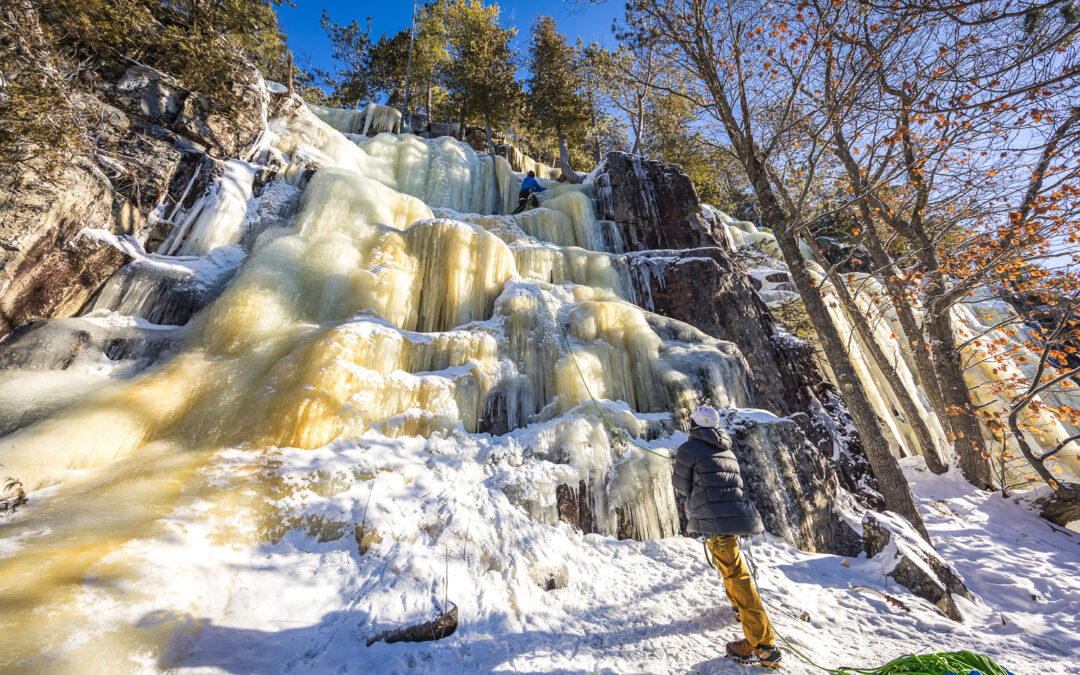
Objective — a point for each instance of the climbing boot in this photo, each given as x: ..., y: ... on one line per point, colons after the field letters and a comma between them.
x: 743, y: 652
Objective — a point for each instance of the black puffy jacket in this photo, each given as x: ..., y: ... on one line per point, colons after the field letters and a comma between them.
x: 707, y: 473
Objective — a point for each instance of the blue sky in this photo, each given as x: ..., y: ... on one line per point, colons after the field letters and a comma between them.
x: 306, y: 37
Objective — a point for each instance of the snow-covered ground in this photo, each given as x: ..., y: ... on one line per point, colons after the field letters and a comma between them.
x: 161, y: 551
x: 436, y: 513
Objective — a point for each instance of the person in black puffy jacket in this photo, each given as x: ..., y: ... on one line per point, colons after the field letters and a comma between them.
x: 707, y: 475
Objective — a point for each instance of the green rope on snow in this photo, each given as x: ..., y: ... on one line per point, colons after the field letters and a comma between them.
x: 937, y: 663
x: 584, y: 383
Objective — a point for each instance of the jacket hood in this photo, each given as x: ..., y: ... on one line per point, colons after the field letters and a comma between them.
x: 714, y: 437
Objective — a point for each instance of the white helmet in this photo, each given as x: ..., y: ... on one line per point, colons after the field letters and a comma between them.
x: 705, y: 416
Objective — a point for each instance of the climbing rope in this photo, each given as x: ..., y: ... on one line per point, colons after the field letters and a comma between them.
x: 938, y: 663
x: 584, y: 383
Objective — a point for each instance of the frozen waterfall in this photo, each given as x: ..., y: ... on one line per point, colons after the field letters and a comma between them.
x: 391, y: 301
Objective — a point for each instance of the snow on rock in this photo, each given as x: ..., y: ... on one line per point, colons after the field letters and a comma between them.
x: 908, y: 559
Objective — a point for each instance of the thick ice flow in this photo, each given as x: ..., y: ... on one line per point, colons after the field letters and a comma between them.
x: 388, y: 301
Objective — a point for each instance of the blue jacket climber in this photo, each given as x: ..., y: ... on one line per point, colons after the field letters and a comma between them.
x: 529, y: 187
x: 530, y: 183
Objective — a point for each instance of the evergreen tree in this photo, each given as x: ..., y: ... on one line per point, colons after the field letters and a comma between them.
x: 50, y: 49
x: 671, y: 134
x: 389, y: 60
x: 479, y: 74
x: 606, y: 132
x: 350, y: 82
x: 556, y: 89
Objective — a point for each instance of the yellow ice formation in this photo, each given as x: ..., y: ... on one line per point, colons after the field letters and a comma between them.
x: 395, y: 303
x: 279, y: 359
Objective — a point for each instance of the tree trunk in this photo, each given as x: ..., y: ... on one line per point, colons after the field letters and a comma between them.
x: 289, y: 66
x: 971, y: 450
x: 490, y: 144
x: 893, y: 483
x: 639, y: 121
x: 927, y: 443
x: 427, y: 103
x: 1062, y: 506
x: 970, y: 447
x: 569, y: 174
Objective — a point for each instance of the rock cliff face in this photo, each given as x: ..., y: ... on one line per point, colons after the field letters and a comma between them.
x: 796, y: 459
x: 150, y: 135
x: 654, y: 204
x: 46, y: 268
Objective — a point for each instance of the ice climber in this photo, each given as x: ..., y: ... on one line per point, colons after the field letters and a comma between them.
x: 529, y: 187
x: 707, y: 475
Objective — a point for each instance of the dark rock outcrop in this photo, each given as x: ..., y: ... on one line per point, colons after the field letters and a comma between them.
x: 910, y: 561
x: 46, y: 268
x: 653, y: 203
x: 151, y: 136
x: 705, y: 288
x: 158, y: 98
x: 793, y: 486
x: 656, y: 209
x: 574, y: 507
x: 846, y: 257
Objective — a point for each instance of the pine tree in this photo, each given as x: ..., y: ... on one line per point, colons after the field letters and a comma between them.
x: 479, y: 74
x: 350, y: 82
x: 556, y: 85
x: 389, y: 60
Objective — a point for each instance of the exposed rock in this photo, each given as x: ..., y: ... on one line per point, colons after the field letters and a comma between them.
x: 438, y: 129
x: 847, y: 257
x: 705, y: 288
x: 227, y: 133
x: 146, y: 92
x: 149, y: 133
x: 417, y: 123
x: 1062, y: 506
x: 792, y: 485
x: 654, y: 204
x: 46, y: 268
x: 910, y: 561
x: 161, y: 99
x: 574, y: 507
x: 476, y: 137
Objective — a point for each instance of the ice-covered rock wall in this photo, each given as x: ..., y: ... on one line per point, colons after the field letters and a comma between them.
x: 340, y: 293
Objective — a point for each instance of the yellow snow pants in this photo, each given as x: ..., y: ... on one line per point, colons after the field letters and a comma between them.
x: 740, y: 590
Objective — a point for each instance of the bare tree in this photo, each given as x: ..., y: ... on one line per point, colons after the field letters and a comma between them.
x: 752, y: 65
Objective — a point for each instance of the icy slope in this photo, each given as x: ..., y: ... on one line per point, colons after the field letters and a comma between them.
x: 357, y: 313
x: 440, y: 526
x: 373, y: 420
